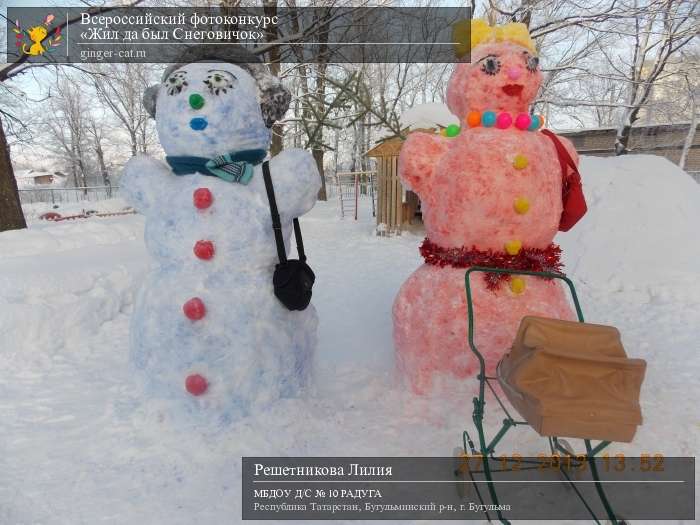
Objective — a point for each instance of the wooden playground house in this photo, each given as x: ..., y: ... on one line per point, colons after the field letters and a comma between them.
x: 397, y: 207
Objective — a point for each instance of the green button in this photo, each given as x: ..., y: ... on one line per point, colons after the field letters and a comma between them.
x: 196, y: 101
x: 452, y: 130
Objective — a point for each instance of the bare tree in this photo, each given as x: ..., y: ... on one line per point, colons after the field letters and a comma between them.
x: 11, y: 216
x: 272, y: 34
x: 120, y: 88
x: 66, y: 127
x: 694, y: 96
x: 659, y: 34
x: 95, y: 130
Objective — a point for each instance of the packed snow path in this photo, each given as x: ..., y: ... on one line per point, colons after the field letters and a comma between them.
x: 80, y: 446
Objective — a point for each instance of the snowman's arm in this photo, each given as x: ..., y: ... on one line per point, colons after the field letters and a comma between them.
x: 296, y: 181
x: 569, y: 148
x: 142, y: 179
x: 418, y: 158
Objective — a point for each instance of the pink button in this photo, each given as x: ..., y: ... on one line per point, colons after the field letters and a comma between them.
x: 504, y: 120
x: 522, y: 121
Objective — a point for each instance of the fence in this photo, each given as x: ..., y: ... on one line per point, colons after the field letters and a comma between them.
x: 67, y: 195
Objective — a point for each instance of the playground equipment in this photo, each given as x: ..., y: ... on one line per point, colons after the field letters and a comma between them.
x: 350, y: 186
x: 486, y: 448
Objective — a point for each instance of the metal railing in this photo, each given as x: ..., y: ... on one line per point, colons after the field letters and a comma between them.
x: 67, y: 195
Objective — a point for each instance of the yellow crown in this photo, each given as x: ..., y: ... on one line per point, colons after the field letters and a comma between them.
x: 467, y: 34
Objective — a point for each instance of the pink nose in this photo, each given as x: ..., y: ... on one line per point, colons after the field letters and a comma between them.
x: 514, y: 73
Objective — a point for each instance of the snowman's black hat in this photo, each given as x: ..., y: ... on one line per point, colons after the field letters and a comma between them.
x: 274, y: 98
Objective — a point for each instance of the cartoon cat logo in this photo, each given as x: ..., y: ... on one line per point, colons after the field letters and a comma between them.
x: 37, y: 35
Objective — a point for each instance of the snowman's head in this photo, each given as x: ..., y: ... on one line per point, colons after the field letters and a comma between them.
x: 502, y: 75
x: 205, y: 109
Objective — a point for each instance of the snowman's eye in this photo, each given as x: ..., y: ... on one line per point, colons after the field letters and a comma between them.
x: 176, y: 82
x: 490, y: 65
x: 219, y: 81
x: 531, y: 62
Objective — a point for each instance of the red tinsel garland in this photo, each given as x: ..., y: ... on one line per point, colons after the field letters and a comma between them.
x: 528, y: 259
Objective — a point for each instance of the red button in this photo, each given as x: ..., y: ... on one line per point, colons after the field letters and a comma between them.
x: 202, y: 198
x: 196, y: 384
x: 194, y: 309
x: 204, y: 250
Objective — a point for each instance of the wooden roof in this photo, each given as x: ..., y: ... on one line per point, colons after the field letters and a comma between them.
x: 386, y: 148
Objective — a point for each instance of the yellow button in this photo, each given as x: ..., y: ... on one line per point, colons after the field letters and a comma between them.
x: 513, y: 247
x: 517, y: 285
x: 520, y: 162
x: 521, y: 205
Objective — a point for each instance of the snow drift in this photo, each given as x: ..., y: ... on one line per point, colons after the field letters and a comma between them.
x: 641, y: 228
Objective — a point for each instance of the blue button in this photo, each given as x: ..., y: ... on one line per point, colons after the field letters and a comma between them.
x: 534, y: 123
x: 488, y: 119
x: 198, y: 123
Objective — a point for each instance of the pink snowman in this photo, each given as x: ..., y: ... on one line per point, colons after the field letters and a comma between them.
x: 491, y: 196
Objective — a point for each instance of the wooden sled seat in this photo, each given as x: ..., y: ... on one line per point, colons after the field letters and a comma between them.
x: 572, y: 379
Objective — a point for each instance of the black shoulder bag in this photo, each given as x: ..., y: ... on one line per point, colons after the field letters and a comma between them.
x: 293, y: 279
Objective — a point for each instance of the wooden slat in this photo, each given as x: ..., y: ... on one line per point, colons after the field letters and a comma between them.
x: 387, y: 193
x: 399, y: 196
x: 381, y: 216
x: 380, y: 193
x: 392, y: 199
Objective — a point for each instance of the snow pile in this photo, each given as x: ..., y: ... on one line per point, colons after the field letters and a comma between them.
x: 428, y: 115
x: 63, y: 281
x: 46, y: 237
x: 640, y: 232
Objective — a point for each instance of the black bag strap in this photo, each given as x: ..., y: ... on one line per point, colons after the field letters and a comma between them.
x: 300, y: 241
x: 277, y: 224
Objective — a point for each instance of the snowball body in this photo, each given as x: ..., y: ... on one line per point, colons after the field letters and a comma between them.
x: 476, y: 192
x: 248, y: 347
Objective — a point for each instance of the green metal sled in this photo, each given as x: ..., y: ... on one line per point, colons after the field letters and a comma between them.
x: 487, y: 447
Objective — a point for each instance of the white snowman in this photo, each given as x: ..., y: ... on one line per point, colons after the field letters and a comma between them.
x: 207, y: 331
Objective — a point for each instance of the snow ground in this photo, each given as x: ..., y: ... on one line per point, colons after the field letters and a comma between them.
x: 78, y: 445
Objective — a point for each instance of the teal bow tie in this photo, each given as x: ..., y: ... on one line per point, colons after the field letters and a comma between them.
x: 232, y: 167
